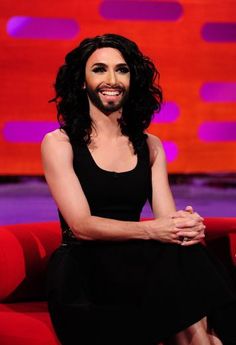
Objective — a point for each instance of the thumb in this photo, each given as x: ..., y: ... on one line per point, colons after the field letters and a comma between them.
x: 189, y: 209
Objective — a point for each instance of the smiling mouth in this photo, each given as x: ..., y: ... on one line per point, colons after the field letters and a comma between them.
x: 111, y: 93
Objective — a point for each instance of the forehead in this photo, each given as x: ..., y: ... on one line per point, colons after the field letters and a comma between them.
x: 106, y: 56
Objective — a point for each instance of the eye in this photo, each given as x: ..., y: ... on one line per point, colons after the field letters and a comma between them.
x: 98, y: 69
x: 123, y: 69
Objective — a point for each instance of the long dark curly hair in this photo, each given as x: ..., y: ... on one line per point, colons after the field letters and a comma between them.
x: 145, y: 95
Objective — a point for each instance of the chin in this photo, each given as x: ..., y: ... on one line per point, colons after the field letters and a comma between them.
x: 108, y: 112
x: 110, y: 108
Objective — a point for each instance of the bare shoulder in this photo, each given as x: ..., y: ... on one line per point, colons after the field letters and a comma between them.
x: 58, y: 137
x: 153, y: 141
x: 56, y: 144
x: 155, y: 147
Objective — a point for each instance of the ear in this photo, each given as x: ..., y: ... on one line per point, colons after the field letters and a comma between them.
x: 83, y: 86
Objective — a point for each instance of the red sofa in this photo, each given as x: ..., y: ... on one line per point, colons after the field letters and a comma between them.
x: 24, y: 253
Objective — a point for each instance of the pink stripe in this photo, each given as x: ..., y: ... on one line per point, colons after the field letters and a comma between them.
x: 141, y: 10
x: 217, y: 131
x: 27, y: 131
x: 46, y: 28
x: 219, y: 32
x: 171, y: 150
x: 169, y: 113
x: 218, y: 92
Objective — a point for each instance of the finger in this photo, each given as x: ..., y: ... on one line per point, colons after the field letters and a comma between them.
x: 197, y: 227
x: 175, y: 239
x: 189, y: 243
x: 179, y: 214
x: 186, y: 214
x: 188, y: 234
x: 175, y: 215
x: 189, y: 209
x: 201, y: 235
x: 176, y: 242
x: 196, y: 239
x: 197, y: 216
x: 188, y: 223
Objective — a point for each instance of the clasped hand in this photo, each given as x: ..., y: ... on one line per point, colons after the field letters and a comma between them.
x: 183, y: 227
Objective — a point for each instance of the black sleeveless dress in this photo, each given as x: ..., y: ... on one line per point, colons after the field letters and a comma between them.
x: 132, y: 292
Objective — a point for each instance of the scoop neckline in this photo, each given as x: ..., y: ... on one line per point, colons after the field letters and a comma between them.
x: 109, y: 171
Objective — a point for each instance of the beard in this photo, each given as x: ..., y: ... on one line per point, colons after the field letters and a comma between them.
x: 111, y: 106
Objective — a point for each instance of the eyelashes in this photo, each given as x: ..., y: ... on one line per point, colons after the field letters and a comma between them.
x: 123, y: 70
x: 100, y: 69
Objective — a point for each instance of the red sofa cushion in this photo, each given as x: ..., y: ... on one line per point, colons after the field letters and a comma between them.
x: 26, y: 324
x: 24, y: 253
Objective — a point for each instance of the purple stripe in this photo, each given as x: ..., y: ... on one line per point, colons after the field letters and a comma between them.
x: 171, y: 150
x: 169, y: 113
x: 49, y: 28
x: 218, y: 92
x: 141, y: 10
x: 27, y: 131
x: 219, y: 32
x: 217, y: 131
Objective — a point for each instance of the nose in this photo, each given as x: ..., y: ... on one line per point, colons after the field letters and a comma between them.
x: 111, y: 77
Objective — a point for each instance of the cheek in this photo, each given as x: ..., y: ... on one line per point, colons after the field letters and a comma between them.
x: 93, y: 80
x: 128, y: 84
x: 126, y: 81
x: 128, y: 78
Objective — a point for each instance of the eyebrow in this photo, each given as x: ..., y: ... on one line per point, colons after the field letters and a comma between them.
x: 101, y: 64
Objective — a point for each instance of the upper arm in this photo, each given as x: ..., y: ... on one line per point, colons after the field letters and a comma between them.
x: 162, y: 199
x: 57, y: 159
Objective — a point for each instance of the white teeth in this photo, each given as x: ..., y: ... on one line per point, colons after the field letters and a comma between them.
x: 110, y: 93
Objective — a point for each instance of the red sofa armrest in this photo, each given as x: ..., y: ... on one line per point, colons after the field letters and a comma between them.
x: 219, y: 226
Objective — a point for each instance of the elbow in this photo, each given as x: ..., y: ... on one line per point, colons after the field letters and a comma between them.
x: 81, y: 228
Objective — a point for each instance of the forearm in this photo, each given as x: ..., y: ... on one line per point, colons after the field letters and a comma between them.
x: 168, y: 229
x: 97, y: 228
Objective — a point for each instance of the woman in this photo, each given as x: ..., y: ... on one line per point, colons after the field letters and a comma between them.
x: 116, y: 280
